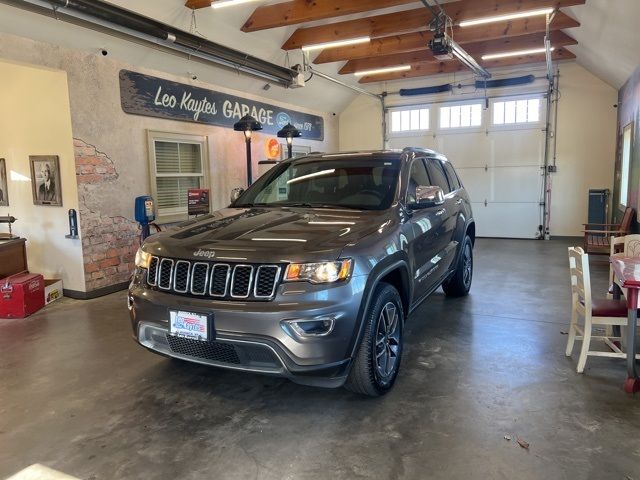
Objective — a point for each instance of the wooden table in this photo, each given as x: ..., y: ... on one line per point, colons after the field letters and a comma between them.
x: 627, y: 271
x: 13, y: 256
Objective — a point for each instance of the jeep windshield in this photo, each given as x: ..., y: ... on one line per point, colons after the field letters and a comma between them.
x: 363, y: 183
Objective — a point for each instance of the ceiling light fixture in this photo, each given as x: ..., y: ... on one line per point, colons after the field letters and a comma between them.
x: 337, y: 43
x: 378, y: 71
x: 229, y: 3
x: 517, y: 53
x: 509, y: 16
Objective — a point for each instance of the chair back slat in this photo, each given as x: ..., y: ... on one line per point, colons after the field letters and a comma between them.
x: 580, y: 279
x: 625, y: 225
x: 631, y: 246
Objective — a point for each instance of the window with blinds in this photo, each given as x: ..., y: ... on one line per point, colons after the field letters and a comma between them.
x: 177, y: 167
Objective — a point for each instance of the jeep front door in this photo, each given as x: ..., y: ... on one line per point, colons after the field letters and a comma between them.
x: 426, y: 225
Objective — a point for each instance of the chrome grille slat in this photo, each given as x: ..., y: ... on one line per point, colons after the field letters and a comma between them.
x: 239, y: 281
x: 214, y: 280
x: 152, y: 274
x: 266, y: 281
x: 165, y: 274
x: 181, y: 275
x: 199, y: 278
x: 219, y: 281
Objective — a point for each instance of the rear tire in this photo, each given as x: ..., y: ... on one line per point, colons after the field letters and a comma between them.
x: 376, y: 366
x: 459, y: 284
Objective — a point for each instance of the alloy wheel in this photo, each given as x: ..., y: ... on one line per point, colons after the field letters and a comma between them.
x: 387, y: 348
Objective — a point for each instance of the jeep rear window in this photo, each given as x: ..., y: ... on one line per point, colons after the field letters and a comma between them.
x: 366, y: 184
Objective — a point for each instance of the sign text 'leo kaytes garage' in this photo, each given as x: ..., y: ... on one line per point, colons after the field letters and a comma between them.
x: 155, y: 97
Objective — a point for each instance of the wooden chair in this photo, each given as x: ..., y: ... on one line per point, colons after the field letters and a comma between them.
x: 603, y: 312
x: 598, y: 242
x: 627, y: 246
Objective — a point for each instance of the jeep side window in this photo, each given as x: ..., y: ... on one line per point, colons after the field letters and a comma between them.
x: 417, y: 177
x: 454, y: 181
x: 437, y: 175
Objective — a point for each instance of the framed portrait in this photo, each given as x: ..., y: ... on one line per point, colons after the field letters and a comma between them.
x: 4, y: 192
x: 298, y: 151
x: 45, y: 180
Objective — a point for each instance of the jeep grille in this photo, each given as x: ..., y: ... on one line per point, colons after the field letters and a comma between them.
x: 215, y: 280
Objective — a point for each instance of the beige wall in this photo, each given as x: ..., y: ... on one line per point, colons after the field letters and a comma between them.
x: 586, y: 136
x: 586, y: 146
x: 35, y: 120
x: 361, y: 125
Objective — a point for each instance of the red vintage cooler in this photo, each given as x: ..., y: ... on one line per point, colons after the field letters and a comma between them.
x: 21, y: 295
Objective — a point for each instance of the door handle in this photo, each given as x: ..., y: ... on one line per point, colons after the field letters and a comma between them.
x: 441, y: 212
x: 459, y: 201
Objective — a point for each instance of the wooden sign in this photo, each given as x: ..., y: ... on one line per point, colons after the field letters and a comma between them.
x: 155, y: 97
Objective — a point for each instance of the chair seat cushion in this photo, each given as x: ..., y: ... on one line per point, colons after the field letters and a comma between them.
x: 603, y: 307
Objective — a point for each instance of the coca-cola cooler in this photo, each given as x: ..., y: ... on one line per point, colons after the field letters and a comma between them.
x: 21, y: 295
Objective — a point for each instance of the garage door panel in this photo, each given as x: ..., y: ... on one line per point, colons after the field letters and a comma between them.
x: 422, y: 141
x: 512, y: 220
x: 465, y: 150
x: 516, y: 147
x: 506, y: 184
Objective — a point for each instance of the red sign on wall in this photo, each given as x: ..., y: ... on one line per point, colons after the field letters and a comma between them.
x: 198, y: 201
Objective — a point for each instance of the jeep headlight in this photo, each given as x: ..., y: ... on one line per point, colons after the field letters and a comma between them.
x: 143, y: 259
x: 326, y: 272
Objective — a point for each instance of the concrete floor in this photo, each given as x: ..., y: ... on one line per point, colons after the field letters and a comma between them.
x: 78, y: 395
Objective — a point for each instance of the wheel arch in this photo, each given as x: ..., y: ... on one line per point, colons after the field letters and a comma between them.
x: 397, y: 274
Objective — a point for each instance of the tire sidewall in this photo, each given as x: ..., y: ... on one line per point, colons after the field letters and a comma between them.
x: 384, y: 294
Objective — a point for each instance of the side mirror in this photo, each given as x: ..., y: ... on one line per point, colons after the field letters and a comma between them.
x: 428, y: 197
x: 235, y: 193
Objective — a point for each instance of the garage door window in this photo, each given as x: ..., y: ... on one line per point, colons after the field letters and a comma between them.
x: 461, y: 116
x: 409, y: 120
x: 514, y: 112
x: 177, y: 164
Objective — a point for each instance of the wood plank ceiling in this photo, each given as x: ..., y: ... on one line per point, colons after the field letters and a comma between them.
x: 401, y: 38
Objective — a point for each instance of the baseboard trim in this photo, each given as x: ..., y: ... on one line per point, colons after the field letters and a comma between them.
x: 100, y: 292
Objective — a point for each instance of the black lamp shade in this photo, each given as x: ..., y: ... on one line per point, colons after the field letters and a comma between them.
x: 247, y: 124
x: 289, y: 131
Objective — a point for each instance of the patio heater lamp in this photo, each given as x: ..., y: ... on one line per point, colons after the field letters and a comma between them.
x: 248, y: 124
x: 289, y: 132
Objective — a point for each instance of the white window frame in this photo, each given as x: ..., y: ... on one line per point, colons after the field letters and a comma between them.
x: 155, y: 136
x: 522, y: 125
x: 454, y: 130
x: 625, y: 164
x: 409, y: 133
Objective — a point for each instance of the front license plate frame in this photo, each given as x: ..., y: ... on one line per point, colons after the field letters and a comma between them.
x: 191, y: 325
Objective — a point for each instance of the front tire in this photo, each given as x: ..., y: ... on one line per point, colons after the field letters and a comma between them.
x: 460, y: 283
x: 376, y: 366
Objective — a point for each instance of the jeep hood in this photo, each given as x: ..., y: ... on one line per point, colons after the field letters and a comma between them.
x: 267, y: 235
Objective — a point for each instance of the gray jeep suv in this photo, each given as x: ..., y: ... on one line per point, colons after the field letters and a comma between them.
x: 312, y: 271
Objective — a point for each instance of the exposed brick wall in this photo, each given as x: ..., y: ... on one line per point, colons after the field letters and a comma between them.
x: 109, y: 243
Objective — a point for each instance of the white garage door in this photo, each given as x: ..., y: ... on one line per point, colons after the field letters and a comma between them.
x: 498, y: 153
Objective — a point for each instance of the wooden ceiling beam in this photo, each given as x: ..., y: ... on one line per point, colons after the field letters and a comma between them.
x: 453, y: 66
x: 301, y: 11
x: 414, y: 20
x: 417, y: 41
x: 523, y: 42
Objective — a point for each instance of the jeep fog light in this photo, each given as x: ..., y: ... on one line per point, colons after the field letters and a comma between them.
x: 317, y: 327
x: 143, y: 259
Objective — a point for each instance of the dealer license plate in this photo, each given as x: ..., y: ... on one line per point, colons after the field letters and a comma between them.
x: 190, y: 325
